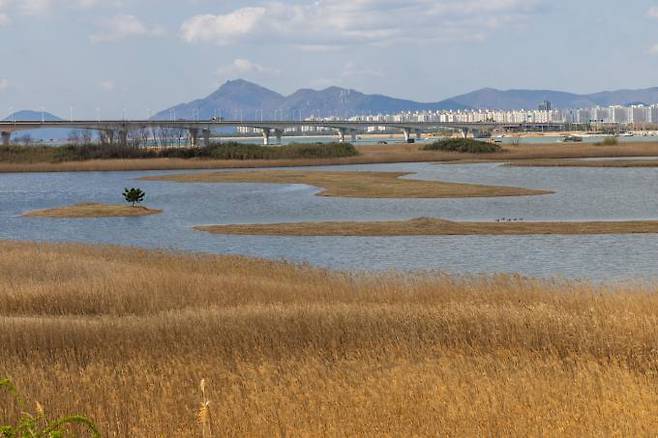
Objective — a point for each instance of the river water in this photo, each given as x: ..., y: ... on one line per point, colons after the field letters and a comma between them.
x: 581, y: 194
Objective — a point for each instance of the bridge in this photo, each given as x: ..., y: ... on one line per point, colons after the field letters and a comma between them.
x: 120, y: 129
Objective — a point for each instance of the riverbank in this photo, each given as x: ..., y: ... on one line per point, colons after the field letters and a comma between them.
x: 434, y: 227
x: 297, y: 351
x: 92, y: 210
x: 355, y: 184
x: 618, y: 163
x: 368, y: 154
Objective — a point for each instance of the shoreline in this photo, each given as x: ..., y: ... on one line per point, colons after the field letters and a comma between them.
x: 91, y: 210
x: 369, y: 154
x: 432, y: 227
x: 356, y: 184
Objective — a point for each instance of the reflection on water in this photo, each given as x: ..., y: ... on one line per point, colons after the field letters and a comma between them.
x: 581, y: 194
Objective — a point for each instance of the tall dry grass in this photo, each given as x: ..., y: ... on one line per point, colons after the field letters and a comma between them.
x: 125, y: 336
x: 368, y: 154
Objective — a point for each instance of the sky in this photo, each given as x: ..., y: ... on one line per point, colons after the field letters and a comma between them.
x: 110, y: 58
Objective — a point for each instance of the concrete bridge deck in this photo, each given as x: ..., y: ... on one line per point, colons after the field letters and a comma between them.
x: 267, y: 127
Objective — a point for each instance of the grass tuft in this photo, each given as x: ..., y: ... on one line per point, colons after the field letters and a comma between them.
x: 463, y: 145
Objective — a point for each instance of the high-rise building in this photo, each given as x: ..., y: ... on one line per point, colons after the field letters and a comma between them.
x: 639, y: 114
x: 619, y: 114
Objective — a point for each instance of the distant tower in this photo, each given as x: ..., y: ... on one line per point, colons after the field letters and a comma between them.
x: 546, y: 106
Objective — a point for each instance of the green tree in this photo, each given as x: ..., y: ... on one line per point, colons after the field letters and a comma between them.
x: 134, y: 195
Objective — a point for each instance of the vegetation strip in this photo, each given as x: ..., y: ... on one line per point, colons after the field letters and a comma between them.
x: 48, y: 159
x: 612, y: 163
x: 297, y: 351
x: 434, y: 227
x: 93, y: 210
x: 355, y: 184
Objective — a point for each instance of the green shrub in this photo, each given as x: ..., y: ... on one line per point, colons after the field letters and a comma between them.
x: 37, y: 424
x: 220, y: 151
x: 465, y: 145
x: 238, y: 151
x: 26, y: 154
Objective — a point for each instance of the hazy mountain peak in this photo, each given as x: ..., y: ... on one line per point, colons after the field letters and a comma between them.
x: 32, y: 116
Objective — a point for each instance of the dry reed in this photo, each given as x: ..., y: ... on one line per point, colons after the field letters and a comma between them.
x: 433, y: 227
x: 355, y: 184
x: 125, y: 335
x: 93, y: 210
x: 393, y: 153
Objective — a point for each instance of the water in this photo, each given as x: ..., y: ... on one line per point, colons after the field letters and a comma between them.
x: 581, y: 194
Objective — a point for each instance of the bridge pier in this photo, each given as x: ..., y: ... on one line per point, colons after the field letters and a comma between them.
x: 6, y: 138
x: 194, y: 136
x: 123, y: 137
x: 206, y: 137
x: 279, y: 135
x: 266, y: 136
x: 341, y: 135
x: 108, y: 135
x: 407, y: 135
x: 342, y: 132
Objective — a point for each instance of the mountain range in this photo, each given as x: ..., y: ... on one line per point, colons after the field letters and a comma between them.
x: 241, y: 99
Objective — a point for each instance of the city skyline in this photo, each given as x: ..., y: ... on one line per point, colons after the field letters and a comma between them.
x: 132, y: 57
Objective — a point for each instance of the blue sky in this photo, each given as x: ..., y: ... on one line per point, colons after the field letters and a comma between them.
x: 108, y: 57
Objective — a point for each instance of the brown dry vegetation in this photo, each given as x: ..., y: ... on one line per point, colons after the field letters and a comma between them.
x: 92, y: 210
x: 355, y: 184
x: 433, y: 227
x: 619, y: 163
x: 126, y: 335
x: 393, y: 153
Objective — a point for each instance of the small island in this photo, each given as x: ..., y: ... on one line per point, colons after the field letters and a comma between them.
x: 433, y: 227
x: 356, y: 184
x: 93, y: 210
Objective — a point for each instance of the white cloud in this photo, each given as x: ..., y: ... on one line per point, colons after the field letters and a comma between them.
x: 243, y: 67
x: 4, y: 17
x: 121, y: 27
x: 330, y: 23
x: 4, y: 84
x: 40, y: 7
x: 36, y: 7
x: 653, y: 12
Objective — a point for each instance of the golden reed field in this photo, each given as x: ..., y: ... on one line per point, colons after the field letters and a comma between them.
x: 125, y: 336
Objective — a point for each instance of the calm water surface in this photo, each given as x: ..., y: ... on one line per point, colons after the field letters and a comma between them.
x: 581, y: 194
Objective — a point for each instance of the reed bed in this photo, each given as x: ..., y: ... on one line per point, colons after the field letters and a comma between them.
x: 355, y: 184
x: 126, y: 335
x: 368, y: 154
x: 434, y: 227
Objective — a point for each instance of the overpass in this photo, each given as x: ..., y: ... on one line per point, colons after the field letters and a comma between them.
x: 202, y: 128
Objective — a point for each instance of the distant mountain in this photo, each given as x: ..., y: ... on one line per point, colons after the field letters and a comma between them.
x: 625, y: 97
x: 38, y: 134
x: 527, y: 99
x: 242, y: 99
